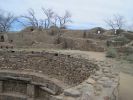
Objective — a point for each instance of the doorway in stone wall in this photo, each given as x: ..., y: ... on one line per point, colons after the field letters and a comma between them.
x: 2, y: 38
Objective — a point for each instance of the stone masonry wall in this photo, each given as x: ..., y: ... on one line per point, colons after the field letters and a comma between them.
x: 24, y: 72
x: 14, y: 86
x: 103, y: 85
x: 82, y: 44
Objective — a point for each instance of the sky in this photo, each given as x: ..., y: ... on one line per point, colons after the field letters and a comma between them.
x: 85, y: 13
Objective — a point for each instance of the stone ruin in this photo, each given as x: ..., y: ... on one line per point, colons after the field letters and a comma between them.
x: 49, y: 75
x: 4, y: 43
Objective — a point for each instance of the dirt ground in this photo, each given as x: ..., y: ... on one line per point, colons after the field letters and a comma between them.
x: 99, y: 56
x: 124, y: 68
x: 126, y: 89
x: 126, y: 79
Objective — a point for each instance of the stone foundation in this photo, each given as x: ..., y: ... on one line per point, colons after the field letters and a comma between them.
x: 49, y: 75
x: 63, y: 67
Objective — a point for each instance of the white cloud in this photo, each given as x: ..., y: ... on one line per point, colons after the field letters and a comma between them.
x: 83, y: 11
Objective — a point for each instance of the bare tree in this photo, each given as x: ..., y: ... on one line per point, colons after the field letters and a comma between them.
x: 55, y: 20
x: 63, y: 20
x: 1, y: 18
x: 6, y: 21
x: 30, y: 19
x: 110, y: 23
x: 117, y: 22
x: 50, y: 19
x: 49, y: 13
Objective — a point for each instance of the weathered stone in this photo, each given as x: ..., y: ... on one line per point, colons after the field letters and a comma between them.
x: 87, y: 96
x: 107, y: 84
x: 90, y: 81
x: 16, y: 78
x: 97, y: 93
x: 98, y: 73
x: 73, y: 71
x: 12, y: 97
x: 72, y: 93
x: 100, y: 82
x: 110, y: 75
x: 30, y: 91
x: 86, y: 88
x: 70, y: 98
x: 106, y: 70
x: 95, y: 77
x: 104, y: 79
x: 56, y: 98
x: 106, y: 98
x: 98, y: 87
x: 48, y: 90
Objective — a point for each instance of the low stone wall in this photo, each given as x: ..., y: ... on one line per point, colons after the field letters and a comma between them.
x: 22, y: 85
x: 82, y: 44
x: 103, y: 85
x: 10, y: 97
x: 34, y: 75
x: 14, y: 86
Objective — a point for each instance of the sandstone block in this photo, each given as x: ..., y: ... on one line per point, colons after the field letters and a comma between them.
x: 91, y: 81
x: 72, y: 93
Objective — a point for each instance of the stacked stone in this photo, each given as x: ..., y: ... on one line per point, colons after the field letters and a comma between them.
x: 103, y: 85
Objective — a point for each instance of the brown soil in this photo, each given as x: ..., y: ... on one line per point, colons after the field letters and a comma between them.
x: 126, y: 90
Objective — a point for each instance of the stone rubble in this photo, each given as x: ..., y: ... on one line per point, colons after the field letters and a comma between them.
x: 103, y: 85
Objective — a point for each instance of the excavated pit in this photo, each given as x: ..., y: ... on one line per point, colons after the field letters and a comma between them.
x: 40, y: 75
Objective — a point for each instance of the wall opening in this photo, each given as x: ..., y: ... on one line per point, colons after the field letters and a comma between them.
x: 2, y: 39
x: 14, y: 86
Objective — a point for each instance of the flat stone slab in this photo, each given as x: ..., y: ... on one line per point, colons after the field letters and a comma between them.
x: 72, y: 93
x: 15, y: 78
x: 91, y: 81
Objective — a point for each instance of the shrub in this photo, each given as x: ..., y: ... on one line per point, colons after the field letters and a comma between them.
x: 111, y: 53
x: 130, y: 58
x: 128, y: 50
x: 119, y: 31
x: 117, y: 41
x: 121, y: 39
